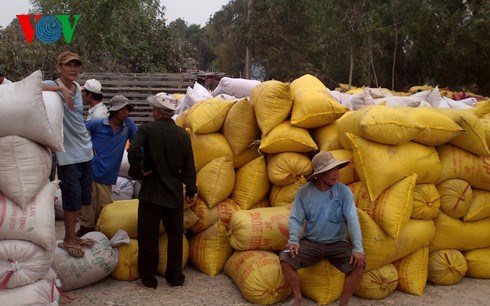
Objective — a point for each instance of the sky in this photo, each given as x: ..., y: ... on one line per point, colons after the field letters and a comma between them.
x: 192, y: 11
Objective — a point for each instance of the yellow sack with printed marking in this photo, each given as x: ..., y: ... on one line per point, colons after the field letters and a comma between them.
x: 288, y: 167
x: 456, y: 197
x: 376, y: 284
x: 240, y: 127
x: 216, y: 180
x: 207, y: 147
x: 260, y: 229
x: 321, y: 282
x: 313, y: 104
x: 461, y: 164
x: 479, y: 206
x: 208, y: 116
x: 380, y: 166
x: 446, y: 267
x: 259, y: 276
x: 272, y: 103
x: 206, y: 216
x: 426, y: 202
x: 478, y: 262
x: 455, y: 234
x: 413, y: 271
x: 378, y: 123
x: 287, y: 138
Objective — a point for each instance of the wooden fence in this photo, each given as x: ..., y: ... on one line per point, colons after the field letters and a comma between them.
x: 138, y: 86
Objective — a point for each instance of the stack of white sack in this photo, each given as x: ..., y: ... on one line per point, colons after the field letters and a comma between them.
x: 30, y: 129
x: 236, y: 87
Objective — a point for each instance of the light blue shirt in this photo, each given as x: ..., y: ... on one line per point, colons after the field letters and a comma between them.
x: 76, y: 138
x: 324, y: 213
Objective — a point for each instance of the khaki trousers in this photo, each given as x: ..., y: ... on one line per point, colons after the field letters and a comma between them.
x: 101, y: 196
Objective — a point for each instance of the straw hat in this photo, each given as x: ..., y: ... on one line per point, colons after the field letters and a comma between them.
x: 325, y: 161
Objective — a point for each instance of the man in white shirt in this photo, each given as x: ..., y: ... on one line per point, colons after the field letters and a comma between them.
x: 92, y: 96
x: 3, y: 79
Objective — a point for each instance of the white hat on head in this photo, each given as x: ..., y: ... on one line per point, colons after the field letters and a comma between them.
x: 164, y: 100
x: 324, y: 161
x: 93, y: 85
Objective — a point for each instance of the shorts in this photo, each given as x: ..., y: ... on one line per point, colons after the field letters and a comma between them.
x: 75, y: 185
x: 337, y: 253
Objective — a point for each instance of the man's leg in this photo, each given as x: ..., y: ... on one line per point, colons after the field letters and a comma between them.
x: 292, y: 278
x: 148, y: 232
x: 173, y: 221
x: 351, y: 283
x: 70, y: 220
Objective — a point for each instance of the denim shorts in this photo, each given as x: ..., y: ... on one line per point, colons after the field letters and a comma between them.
x: 75, y: 185
x: 337, y: 253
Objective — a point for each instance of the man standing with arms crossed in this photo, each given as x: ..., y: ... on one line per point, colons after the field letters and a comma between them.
x: 161, y: 156
x: 322, y: 205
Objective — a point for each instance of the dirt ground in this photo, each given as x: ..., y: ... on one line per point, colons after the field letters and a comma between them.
x: 202, y: 289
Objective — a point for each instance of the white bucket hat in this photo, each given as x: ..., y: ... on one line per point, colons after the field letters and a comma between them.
x: 92, y: 85
x: 325, y: 161
x: 164, y: 100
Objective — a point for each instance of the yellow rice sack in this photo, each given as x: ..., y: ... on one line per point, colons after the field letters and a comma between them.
x: 392, y: 209
x: 381, y: 249
x: 321, y: 282
x: 208, y: 116
x: 210, y: 249
x: 379, y: 166
x: 455, y: 234
x: 162, y: 253
x: 287, y: 138
x: 260, y: 229
x: 240, y: 127
x: 413, y: 271
x: 225, y: 209
x: 264, y: 202
x: 456, y: 197
x: 327, y: 136
x: 348, y: 174
x: 180, y: 120
x: 313, y: 104
x: 482, y: 108
x: 216, y: 180
x: 259, y: 276
x: 272, y: 103
x: 473, y: 137
x: 479, y: 206
x: 426, y: 202
x: 127, y: 267
x: 284, y: 195
x: 378, y: 123
x: 288, y: 167
x: 252, y: 183
x: 478, y: 262
x: 206, y: 216
x: 207, y: 147
x: 446, y: 267
x: 436, y: 127
x: 486, y: 127
x: 250, y: 153
x: 461, y: 164
x: 376, y: 284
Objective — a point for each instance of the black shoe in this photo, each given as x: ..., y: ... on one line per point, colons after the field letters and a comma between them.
x: 178, y: 281
x: 150, y: 282
x: 83, y: 230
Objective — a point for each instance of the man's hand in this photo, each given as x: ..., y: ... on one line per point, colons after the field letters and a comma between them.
x: 190, y: 200
x: 358, y: 259
x: 68, y: 97
x: 293, y: 249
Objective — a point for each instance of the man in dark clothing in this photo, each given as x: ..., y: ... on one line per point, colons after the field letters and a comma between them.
x: 161, y: 156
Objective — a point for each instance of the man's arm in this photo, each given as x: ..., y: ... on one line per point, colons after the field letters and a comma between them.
x: 65, y: 92
x: 136, y: 155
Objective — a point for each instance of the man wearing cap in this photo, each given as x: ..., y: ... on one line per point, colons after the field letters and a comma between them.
x: 109, y: 137
x: 321, y: 206
x: 92, y: 96
x: 3, y: 79
x: 161, y: 156
x: 74, y: 164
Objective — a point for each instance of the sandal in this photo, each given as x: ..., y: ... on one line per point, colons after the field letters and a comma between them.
x: 87, y: 242
x: 73, y: 250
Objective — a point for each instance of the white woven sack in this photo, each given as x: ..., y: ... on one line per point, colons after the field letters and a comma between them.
x: 34, y: 223
x: 54, y: 107
x: 23, y: 113
x: 24, y: 168
x: 99, y: 261
x: 22, y: 263
x: 42, y: 292
x: 124, y: 168
x: 123, y: 189
x: 237, y: 87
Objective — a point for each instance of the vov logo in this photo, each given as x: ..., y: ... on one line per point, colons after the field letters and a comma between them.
x: 48, y: 29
